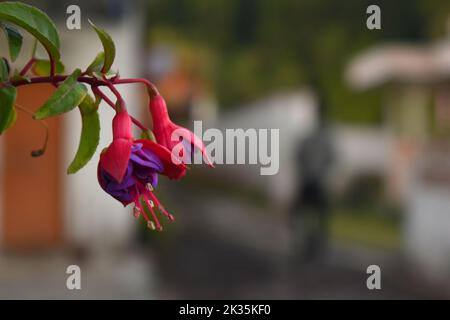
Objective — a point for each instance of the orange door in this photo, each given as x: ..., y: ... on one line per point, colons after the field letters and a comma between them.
x: 32, y: 216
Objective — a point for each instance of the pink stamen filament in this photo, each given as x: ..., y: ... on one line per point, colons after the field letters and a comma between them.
x: 150, y: 206
x: 137, y: 202
x: 160, y: 207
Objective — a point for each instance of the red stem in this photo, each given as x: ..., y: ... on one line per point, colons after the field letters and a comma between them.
x: 116, y: 93
x: 16, y: 83
x: 28, y: 66
x: 98, y: 92
x: 151, y: 88
x: 93, y: 82
x: 89, y: 80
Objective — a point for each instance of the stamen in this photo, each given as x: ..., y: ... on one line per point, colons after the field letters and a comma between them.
x: 136, y: 212
x: 150, y: 206
x: 151, y: 225
x: 149, y: 186
x: 137, y: 202
x: 161, y: 208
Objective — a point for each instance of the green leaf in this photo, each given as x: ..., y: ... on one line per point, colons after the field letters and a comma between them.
x: 4, y: 70
x: 34, y: 48
x: 110, y: 74
x: 148, y: 134
x: 97, y: 64
x: 109, y: 48
x: 18, y: 77
x: 7, y: 111
x: 12, y: 118
x: 69, y: 95
x: 41, y: 67
x: 14, y: 40
x: 90, y: 134
x: 35, y: 22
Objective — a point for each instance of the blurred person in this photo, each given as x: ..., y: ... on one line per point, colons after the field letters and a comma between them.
x: 310, y: 210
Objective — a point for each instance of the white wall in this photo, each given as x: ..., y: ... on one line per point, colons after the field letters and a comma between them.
x: 294, y: 115
x: 427, y: 220
x: 91, y: 215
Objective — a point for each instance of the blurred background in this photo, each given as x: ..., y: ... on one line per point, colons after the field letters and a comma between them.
x: 364, y: 179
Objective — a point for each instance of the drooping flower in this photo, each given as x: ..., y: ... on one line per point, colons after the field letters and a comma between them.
x: 170, y: 135
x: 128, y: 170
x: 115, y: 158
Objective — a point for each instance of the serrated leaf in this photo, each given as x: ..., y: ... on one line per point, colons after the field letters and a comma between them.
x: 68, y: 96
x: 14, y: 40
x: 90, y: 134
x: 41, y: 67
x: 35, y: 22
x: 109, y: 48
x: 7, y: 100
x: 97, y: 64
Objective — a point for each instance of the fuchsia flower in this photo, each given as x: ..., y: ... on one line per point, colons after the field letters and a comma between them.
x: 128, y: 169
x: 169, y: 134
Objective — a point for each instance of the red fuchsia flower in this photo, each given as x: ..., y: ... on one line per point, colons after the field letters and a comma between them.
x: 128, y: 170
x: 169, y: 134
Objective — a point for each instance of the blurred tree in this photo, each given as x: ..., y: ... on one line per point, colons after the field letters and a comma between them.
x: 265, y: 46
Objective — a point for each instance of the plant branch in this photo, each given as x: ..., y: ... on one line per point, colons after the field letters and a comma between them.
x: 95, y: 83
x: 41, y: 151
x: 116, y: 93
x: 151, y: 88
x: 28, y: 66
x: 99, y: 93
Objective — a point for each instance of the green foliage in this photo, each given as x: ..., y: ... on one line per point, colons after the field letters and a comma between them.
x: 90, y: 134
x: 41, y: 67
x: 35, y: 22
x: 365, y: 226
x: 266, y: 46
x: 68, y: 96
x: 97, y: 64
x: 148, y: 134
x: 14, y: 40
x: 7, y: 111
x: 18, y: 77
x: 109, y: 48
x: 7, y: 99
x: 70, y: 93
x: 4, y: 69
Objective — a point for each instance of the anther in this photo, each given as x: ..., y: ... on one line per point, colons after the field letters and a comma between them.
x: 149, y: 186
x: 151, y: 225
x: 136, y: 212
